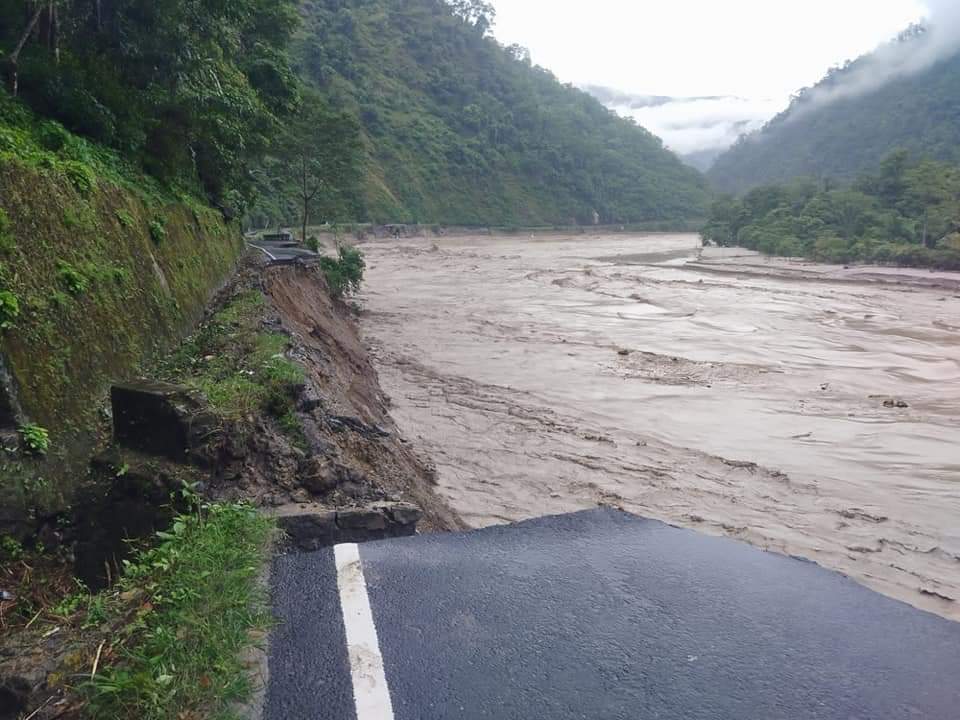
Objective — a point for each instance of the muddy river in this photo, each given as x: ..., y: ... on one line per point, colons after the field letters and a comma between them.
x: 811, y: 410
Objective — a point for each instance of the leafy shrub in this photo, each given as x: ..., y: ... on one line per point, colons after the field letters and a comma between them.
x: 81, y: 176
x: 9, y: 309
x: 344, y: 273
x: 158, y: 231
x: 7, y: 241
x: 75, y: 281
x: 313, y: 244
x: 10, y: 548
x: 124, y: 218
x: 36, y: 440
x: 9, y: 139
x: 52, y: 136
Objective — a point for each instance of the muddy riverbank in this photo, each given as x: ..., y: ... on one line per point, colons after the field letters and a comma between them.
x: 807, y: 409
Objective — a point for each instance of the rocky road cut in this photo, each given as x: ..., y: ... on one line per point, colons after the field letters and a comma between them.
x: 810, y: 410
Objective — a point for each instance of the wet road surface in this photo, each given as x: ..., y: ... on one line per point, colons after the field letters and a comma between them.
x: 807, y: 409
x: 596, y: 615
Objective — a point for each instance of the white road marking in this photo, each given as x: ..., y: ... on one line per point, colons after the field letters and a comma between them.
x: 263, y: 250
x: 370, y: 691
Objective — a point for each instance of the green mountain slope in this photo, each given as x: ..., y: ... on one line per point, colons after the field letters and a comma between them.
x: 458, y: 129
x: 852, y: 133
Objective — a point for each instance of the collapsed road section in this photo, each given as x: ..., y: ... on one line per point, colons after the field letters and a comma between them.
x: 598, y: 614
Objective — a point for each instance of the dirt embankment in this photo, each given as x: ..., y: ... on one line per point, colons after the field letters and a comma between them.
x: 355, y: 450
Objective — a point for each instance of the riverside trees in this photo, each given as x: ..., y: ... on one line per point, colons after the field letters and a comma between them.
x: 907, y: 213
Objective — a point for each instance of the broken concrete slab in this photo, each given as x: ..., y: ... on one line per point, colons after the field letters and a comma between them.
x: 312, y: 526
x: 160, y: 419
x: 401, y: 513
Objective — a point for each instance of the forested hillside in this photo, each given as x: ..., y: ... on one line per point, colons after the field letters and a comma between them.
x: 905, y: 213
x: 193, y: 91
x: 845, y: 124
x: 453, y: 128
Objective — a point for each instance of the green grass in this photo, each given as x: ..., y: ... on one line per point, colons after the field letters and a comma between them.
x: 9, y: 309
x: 46, y: 145
x: 241, y: 368
x: 200, y: 602
x: 158, y: 230
x: 124, y: 218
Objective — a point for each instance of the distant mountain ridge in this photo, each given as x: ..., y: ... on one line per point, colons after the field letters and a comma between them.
x: 610, y: 96
x: 460, y: 130
x: 696, y: 127
x: 846, y: 124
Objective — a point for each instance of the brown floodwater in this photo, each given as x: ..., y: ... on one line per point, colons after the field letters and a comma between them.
x: 811, y: 410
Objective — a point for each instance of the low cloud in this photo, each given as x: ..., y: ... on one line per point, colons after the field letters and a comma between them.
x: 915, y: 52
x: 691, y: 124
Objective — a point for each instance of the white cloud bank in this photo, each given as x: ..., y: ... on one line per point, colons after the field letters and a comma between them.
x: 893, y: 61
x: 690, y: 125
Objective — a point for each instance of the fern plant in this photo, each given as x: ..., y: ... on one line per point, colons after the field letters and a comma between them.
x: 36, y: 440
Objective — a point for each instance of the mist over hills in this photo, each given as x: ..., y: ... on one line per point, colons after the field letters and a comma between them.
x: 697, y: 128
x: 903, y: 95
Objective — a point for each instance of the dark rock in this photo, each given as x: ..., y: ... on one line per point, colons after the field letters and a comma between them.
x: 895, y: 403
x: 344, y: 422
x: 309, y: 400
x: 160, y: 419
x: 401, y: 513
x: 623, y: 353
x: 313, y: 526
x: 50, y: 537
x: 321, y: 475
x: 14, y: 696
x: 308, y: 526
x: 130, y: 497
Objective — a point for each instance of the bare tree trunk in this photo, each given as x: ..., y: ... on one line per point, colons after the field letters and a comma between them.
x: 15, y: 55
x: 51, y: 20
x: 56, y: 34
x: 99, y: 13
x: 306, y: 199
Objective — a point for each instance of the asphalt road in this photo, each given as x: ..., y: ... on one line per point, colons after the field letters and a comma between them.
x: 595, y: 615
x: 280, y: 252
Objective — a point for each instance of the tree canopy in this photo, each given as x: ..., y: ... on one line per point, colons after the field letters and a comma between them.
x: 458, y: 129
x: 841, y: 128
x: 413, y: 111
x: 905, y: 212
x: 193, y: 89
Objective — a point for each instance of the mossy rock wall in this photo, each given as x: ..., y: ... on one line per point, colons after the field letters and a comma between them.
x: 105, y: 278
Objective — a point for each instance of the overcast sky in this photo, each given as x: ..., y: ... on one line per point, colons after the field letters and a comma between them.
x: 750, y: 48
x: 761, y: 51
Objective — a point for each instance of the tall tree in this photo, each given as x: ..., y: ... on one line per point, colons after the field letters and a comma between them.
x: 322, y: 152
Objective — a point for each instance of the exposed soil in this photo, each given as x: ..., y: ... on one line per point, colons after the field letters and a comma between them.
x: 351, y: 427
